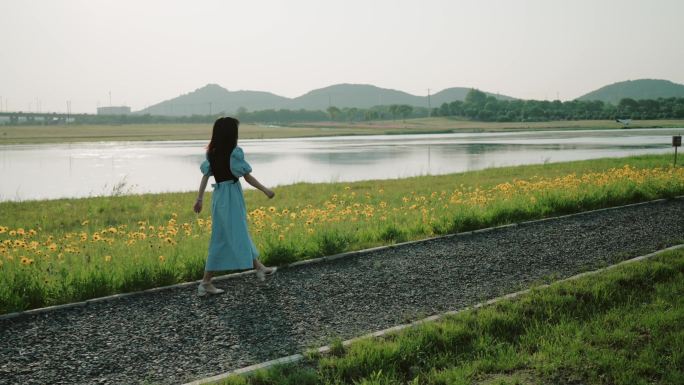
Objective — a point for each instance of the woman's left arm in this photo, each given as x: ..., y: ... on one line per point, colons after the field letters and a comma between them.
x: 200, y: 196
x: 254, y: 182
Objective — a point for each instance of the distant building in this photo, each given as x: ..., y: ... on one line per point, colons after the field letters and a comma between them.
x: 120, y: 110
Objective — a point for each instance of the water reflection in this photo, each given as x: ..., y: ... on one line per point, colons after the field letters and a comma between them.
x: 86, y: 169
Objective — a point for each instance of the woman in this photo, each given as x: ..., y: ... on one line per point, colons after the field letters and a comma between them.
x: 231, y: 247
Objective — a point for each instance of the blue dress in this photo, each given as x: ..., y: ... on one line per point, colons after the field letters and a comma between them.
x: 231, y: 247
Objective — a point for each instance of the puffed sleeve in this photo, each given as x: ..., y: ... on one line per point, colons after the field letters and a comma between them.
x: 238, y: 165
x: 205, y: 167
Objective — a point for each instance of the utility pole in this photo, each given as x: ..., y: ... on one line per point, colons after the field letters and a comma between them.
x: 68, y: 111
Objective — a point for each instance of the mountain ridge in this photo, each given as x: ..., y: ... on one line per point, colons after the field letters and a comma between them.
x: 635, y: 89
x: 215, y: 99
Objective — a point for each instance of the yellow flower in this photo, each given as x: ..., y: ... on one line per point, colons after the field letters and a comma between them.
x: 281, y: 237
x: 21, y: 231
x: 12, y: 233
x: 107, y: 258
x: 112, y: 230
x: 162, y: 258
x: 26, y: 261
x: 272, y: 209
x: 3, y: 229
x: 85, y: 222
x: 53, y: 247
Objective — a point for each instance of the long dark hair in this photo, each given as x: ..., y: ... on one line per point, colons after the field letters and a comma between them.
x: 224, y: 138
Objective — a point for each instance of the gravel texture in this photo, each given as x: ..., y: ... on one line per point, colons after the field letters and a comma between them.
x: 173, y: 336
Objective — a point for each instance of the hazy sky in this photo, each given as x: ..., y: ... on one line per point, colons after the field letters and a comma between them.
x: 147, y: 51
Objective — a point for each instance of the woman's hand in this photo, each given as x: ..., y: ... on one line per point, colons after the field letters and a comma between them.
x: 255, y: 183
x: 197, y: 207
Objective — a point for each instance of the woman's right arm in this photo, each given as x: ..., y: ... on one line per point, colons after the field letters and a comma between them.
x: 200, y: 196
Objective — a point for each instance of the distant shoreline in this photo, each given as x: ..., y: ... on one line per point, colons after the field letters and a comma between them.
x: 10, y: 135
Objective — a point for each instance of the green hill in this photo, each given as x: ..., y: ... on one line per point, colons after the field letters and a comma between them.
x: 354, y: 95
x: 458, y: 93
x: 636, y: 89
x: 214, y: 99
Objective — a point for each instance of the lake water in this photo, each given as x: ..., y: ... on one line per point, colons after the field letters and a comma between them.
x: 48, y: 171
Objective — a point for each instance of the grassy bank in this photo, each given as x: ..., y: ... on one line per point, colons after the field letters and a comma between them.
x: 623, y: 326
x: 72, y: 249
x: 88, y: 133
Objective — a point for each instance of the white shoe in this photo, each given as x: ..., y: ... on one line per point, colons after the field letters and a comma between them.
x: 207, y: 288
x: 265, y: 272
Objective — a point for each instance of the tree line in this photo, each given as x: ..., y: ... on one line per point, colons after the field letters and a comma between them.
x: 478, y: 106
x: 269, y: 116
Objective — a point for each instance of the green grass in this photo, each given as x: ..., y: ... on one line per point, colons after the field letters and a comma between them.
x: 132, y: 132
x: 67, y: 250
x: 624, y: 326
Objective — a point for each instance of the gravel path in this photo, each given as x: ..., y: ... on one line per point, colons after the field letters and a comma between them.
x: 173, y: 336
